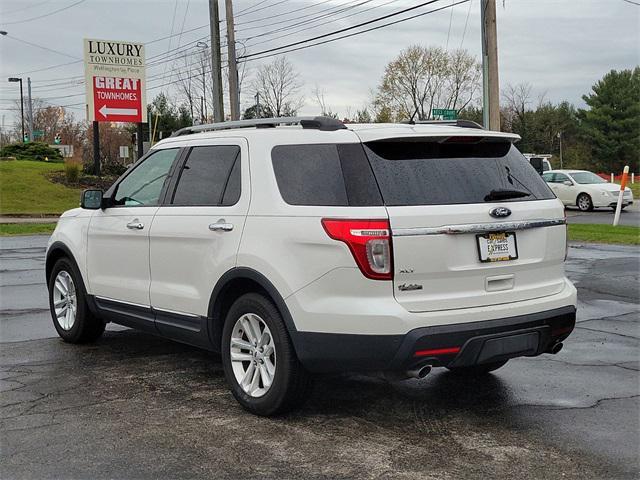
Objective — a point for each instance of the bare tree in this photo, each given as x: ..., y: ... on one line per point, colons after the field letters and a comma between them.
x: 463, y: 79
x: 423, y: 78
x: 325, y: 110
x: 186, y: 84
x: 279, y: 85
x: 517, y: 99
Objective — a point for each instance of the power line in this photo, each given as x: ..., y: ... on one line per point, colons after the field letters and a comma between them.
x: 252, y: 6
x: 46, y: 14
x: 312, y: 20
x: 25, y: 8
x: 259, y: 9
x: 279, y: 15
x: 632, y: 2
x: 321, y: 24
x: 449, y: 31
x: 466, y: 23
x: 314, y: 15
x: 39, y: 46
x: 355, y: 33
x: 368, y: 22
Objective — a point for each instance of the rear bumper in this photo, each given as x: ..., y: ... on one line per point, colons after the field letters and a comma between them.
x: 457, y: 345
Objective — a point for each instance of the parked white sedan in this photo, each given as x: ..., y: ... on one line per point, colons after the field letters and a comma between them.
x: 585, y: 190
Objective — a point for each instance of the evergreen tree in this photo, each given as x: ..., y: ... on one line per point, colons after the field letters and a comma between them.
x: 611, y: 125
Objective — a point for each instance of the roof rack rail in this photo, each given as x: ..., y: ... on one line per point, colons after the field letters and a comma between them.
x: 455, y: 123
x: 319, y: 123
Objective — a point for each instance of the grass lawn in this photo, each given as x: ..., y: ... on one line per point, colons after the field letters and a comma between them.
x: 24, y: 189
x: 7, y: 229
x: 635, y: 188
x: 604, y: 234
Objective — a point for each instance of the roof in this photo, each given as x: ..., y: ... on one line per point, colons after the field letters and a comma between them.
x: 369, y: 132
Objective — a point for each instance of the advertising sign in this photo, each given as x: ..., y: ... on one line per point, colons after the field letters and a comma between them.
x: 115, y: 81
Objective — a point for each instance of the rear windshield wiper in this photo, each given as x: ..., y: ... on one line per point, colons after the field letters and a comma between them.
x: 503, y: 194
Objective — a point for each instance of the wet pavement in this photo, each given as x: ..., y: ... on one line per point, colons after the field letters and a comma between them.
x: 629, y: 216
x: 136, y: 406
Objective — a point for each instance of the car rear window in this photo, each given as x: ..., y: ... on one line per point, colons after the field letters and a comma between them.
x: 412, y: 172
x: 325, y: 174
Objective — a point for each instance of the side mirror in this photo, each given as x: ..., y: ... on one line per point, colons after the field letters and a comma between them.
x: 568, y: 183
x: 91, y: 199
x: 537, y: 164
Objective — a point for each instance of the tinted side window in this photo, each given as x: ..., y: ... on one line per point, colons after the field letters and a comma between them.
x: 548, y: 177
x: 143, y: 185
x: 560, y: 177
x: 324, y: 174
x: 210, y: 176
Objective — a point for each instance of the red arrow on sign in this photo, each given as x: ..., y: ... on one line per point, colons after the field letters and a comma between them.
x: 106, y: 111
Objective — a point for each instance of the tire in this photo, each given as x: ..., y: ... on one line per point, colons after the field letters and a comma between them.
x: 82, y: 326
x: 584, y: 202
x: 277, y: 390
x: 478, y: 370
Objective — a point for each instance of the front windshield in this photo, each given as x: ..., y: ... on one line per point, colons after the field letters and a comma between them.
x: 587, y: 177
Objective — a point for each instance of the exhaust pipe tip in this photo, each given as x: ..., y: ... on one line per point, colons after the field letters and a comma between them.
x: 419, y: 372
x: 556, y: 348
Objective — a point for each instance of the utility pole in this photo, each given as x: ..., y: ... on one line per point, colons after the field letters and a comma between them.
x: 140, y: 140
x: 234, y: 94
x: 490, y: 82
x: 30, y: 106
x: 16, y: 79
x: 560, y: 138
x: 96, y: 149
x: 258, y: 105
x: 216, y: 66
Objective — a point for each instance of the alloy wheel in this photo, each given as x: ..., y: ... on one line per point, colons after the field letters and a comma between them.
x: 584, y: 203
x: 253, y: 355
x: 65, y: 302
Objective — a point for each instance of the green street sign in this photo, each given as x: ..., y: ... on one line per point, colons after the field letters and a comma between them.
x: 38, y: 133
x: 444, y: 114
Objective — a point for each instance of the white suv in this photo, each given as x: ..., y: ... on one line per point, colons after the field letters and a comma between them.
x: 301, y: 245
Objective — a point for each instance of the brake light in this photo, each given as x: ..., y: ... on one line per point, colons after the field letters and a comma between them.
x: 369, y: 242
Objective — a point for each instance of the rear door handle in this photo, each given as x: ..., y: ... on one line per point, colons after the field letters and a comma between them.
x: 135, y: 225
x: 221, y: 226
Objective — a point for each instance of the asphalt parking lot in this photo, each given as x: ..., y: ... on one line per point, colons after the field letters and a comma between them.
x: 136, y: 406
x: 629, y: 216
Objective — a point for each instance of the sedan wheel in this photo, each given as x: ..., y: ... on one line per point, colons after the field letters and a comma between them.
x: 65, y: 302
x: 584, y: 202
x: 253, y: 355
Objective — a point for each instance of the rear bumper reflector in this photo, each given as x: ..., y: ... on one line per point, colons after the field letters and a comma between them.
x: 436, y: 351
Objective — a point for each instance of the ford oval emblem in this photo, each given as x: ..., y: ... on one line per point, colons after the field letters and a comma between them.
x: 499, y: 212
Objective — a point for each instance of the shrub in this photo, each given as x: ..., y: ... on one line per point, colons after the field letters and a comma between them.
x: 113, y: 168
x: 72, y: 169
x: 31, y: 151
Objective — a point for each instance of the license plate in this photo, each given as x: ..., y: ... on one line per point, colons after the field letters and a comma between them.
x: 497, y: 247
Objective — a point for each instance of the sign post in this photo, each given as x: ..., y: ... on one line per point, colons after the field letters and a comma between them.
x: 115, y: 85
x: 623, y: 184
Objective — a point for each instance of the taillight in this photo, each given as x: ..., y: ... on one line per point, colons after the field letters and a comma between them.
x: 369, y: 242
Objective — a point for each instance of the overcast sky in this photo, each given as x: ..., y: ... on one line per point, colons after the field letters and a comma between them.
x: 561, y: 47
